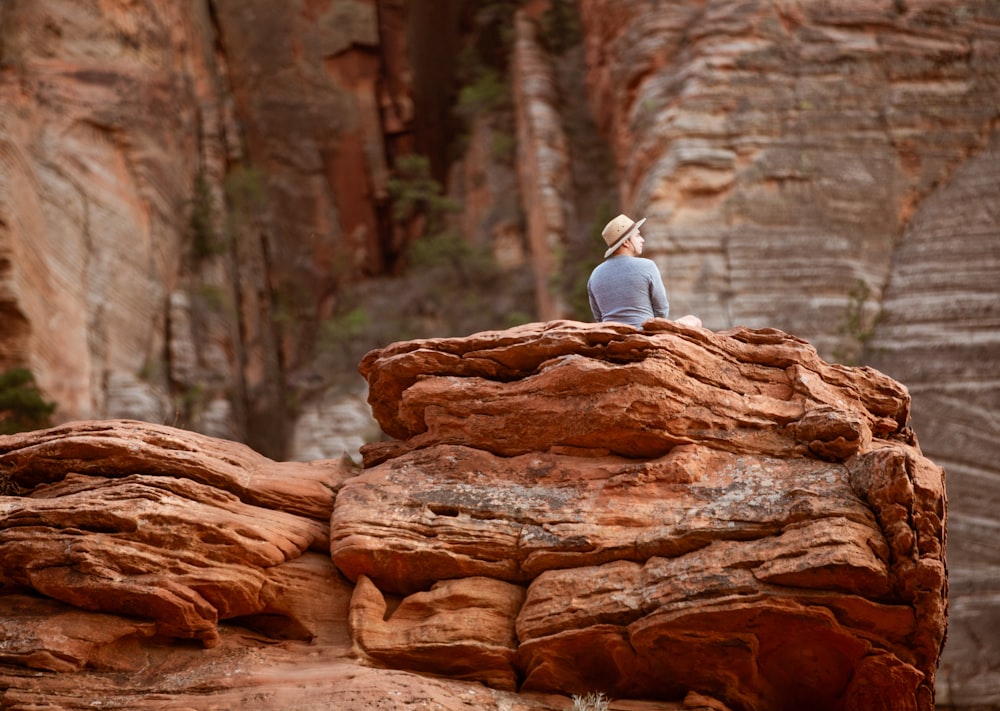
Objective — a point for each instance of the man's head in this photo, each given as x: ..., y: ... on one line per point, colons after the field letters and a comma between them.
x: 623, y: 229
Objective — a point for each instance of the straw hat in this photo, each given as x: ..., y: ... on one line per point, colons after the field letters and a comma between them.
x: 617, y: 231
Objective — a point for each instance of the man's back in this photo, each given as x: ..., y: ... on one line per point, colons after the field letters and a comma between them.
x: 628, y: 290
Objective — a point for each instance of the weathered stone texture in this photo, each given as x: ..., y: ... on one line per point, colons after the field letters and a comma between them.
x: 787, y: 154
x: 461, y: 628
x: 132, y: 519
x: 182, y: 190
x: 779, y: 149
x: 939, y: 332
x: 121, y: 540
x: 98, y: 153
x: 688, y: 511
x: 830, y: 169
x: 751, y: 529
x: 607, y: 387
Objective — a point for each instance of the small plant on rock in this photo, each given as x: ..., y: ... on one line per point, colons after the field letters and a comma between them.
x: 591, y: 701
x: 858, y: 325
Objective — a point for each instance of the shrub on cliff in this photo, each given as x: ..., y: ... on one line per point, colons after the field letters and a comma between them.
x: 22, y: 407
x: 448, y: 286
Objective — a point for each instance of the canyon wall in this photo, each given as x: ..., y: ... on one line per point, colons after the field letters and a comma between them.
x: 183, y: 190
x: 832, y: 170
x: 101, y: 119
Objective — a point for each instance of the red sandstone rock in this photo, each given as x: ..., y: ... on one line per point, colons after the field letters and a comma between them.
x: 181, y: 553
x: 775, y: 540
x: 887, y: 173
x: 43, y: 634
x: 613, y: 388
x: 761, y: 532
x: 449, y: 511
x: 461, y: 628
x: 120, y: 448
x: 146, y: 521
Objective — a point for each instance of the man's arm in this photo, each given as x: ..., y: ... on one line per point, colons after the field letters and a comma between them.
x: 594, y: 308
x: 658, y: 293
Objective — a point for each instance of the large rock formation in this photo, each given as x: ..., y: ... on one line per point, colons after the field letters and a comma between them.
x: 674, y: 517
x: 686, y: 511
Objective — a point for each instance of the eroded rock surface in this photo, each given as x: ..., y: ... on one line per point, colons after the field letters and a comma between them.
x: 612, y: 389
x: 722, y: 514
x: 145, y: 521
x: 674, y: 517
x: 147, y: 567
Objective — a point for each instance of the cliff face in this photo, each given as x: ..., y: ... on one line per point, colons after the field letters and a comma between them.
x: 938, y: 333
x: 100, y: 128
x: 831, y: 169
x: 183, y: 190
x: 678, y: 518
x: 728, y: 120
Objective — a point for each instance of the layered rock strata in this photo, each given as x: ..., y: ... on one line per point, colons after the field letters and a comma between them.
x: 807, y: 166
x: 830, y: 169
x: 133, y: 520
x: 681, y: 510
x: 676, y: 518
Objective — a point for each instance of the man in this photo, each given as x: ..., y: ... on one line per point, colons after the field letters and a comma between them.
x: 626, y: 287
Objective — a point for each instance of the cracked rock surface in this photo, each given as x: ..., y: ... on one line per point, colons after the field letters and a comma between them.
x: 681, y: 510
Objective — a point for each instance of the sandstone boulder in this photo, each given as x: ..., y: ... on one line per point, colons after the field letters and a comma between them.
x: 612, y: 388
x: 147, y: 522
x: 463, y: 628
x: 723, y: 514
x: 121, y: 447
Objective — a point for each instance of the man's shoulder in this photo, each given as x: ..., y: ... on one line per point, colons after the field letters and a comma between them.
x: 603, y: 267
x: 645, y: 264
x: 614, y: 264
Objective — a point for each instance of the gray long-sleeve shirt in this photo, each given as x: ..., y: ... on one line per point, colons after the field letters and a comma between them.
x: 628, y: 290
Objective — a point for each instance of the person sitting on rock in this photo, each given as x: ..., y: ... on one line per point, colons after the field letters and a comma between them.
x: 625, y: 287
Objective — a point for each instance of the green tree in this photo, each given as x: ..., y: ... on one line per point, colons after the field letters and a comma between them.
x: 415, y: 192
x: 560, y: 26
x: 858, y: 325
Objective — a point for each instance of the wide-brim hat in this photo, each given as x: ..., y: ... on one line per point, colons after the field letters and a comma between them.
x: 616, y: 232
